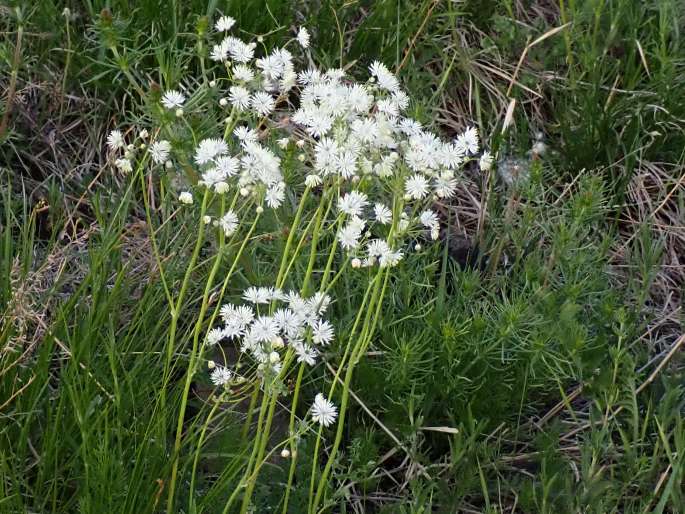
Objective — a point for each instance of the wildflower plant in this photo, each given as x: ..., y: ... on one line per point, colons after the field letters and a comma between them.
x: 334, y: 164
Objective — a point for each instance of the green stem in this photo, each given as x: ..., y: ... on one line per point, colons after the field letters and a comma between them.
x: 191, y: 370
x: 176, y: 309
x: 292, y: 439
x: 197, y: 451
x: 360, y: 348
x: 291, y: 236
x: 358, y: 318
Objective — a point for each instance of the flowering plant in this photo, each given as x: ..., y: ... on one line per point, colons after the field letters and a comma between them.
x: 359, y: 178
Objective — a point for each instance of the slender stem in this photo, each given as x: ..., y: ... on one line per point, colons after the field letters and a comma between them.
x: 291, y: 437
x: 153, y: 240
x: 360, y: 314
x: 197, y: 451
x: 191, y: 370
x: 291, y: 236
x: 360, y: 348
x: 252, y: 481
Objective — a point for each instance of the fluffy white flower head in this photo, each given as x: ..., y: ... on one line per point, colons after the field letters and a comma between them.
x: 323, y: 411
x: 173, y: 99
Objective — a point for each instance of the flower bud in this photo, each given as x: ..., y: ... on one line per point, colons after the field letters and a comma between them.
x: 285, y: 453
x: 211, y: 364
x: 179, y: 113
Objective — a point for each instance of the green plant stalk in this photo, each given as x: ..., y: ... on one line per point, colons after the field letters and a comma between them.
x: 291, y: 235
x: 127, y: 73
x: 263, y: 435
x: 263, y: 440
x: 195, y: 355
x: 362, y: 344
x: 360, y: 315
x: 300, y: 373
x: 153, y: 239
x: 67, y: 62
x: 176, y: 310
x: 291, y: 437
x: 200, y: 442
x: 237, y: 489
x: 192, y: 363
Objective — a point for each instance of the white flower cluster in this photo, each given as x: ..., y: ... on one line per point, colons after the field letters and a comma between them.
x: 353, y: 141
x: 297, y: 324
x: 158, y: 150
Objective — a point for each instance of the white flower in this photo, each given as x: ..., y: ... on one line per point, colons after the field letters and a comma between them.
x: 359, y: 98
x: 388, y: 107
x: 382, y: 214
x: 429, y: 219
x: 313, y: 180
x: 245, y: 135
x: 264, y: 329
x: 219, y: 52
x: 323, y: 411
x: 322, y: 332
x: 239, y: 316
x: 185, y: 197
x: 305, y: 353
x: 469, y: 140
x: 221, y: 376
x: 227, y: 165
x: 416, y: 187
x: 486, y: 161
x: 303, y: 37
x: 400, y: 99
x: 262, y: 103
x: 124, y: 165
x: 214, y: 336
x: 159, y: 151
x: 377, y: 248
x: 243, y: 73
x: 445, y: 186
x: 229, y: 223
x: 349, y: 237
x: 115, y: 140
x: 208, y: 149
x: 275, y: 195
x: 240, y: 52
x: 232, y: 331
x: 257, y: 295
x: 346, y: 163
x: 239, y: 97
x: 353, y: 203
x: 173, y: 99
x: 390, y: 259
x: 386, y: 80
x: 224, y: 24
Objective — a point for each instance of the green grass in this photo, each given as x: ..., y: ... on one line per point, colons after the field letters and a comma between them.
x: 534, y: 376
